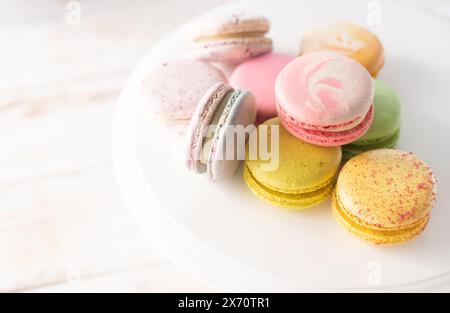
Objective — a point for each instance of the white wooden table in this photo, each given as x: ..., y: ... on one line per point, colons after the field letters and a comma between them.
x: 63, y: 225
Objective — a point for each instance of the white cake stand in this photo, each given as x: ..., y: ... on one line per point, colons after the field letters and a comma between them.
x: 221, y: 233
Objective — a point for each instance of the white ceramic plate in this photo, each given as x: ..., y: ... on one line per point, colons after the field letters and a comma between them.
x: 222, y: 233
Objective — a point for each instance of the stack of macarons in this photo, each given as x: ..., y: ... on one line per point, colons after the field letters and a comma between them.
x: 173, y: 88
x: 309, y: 128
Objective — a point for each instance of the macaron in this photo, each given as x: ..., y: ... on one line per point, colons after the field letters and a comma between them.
x: 385, y: 130
x: 385, y: 196
x: 258, y: 75
x: 325, y: 99
x: 171, y: 91
x: 212, y: 131
x: 233, y: 39
x: 348, y: 39
x: 297, y: 175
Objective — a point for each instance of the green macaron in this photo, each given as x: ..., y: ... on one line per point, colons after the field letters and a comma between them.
x: 385, y: 130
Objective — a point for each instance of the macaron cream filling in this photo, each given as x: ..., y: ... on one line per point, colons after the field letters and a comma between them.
x: 231, y: 40
x: 236, y: 25
x: 354, y: 149
x: 211, y: 133
x: 325, y: 128
x: 304, y: 176
x: 324, y: 137
x: 382, y: 142
x: 377, y: 236
x: 302, y: 199
x: 219, y: 127
x: 366, y: 225
x: 202, y: 119
x: 232, y: 36
x: 326, y: 184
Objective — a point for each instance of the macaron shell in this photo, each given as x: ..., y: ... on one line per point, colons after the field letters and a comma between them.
x: 287, y: 200
x: 201, y: 119
x: 348, y: 39
x: 266, y: 69
x: 378, y: 69
x: 171, y: 91
x: 324, y: 90
x: 234, y: 24
x: 351, y: 150
x: 386, y: 189
x: 242, y: 112
x: 323, y: 138
x: 376, y: 237
x: 302, y: 167
x: 388, y: 113
x: 234, y: 50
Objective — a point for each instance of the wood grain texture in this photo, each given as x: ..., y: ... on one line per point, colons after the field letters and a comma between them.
x: 61, y: 215
x: 157, y: 278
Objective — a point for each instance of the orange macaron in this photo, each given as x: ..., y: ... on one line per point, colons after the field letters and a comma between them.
x: 348, y: 39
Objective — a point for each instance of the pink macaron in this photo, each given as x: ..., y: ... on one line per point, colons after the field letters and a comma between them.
x: 258, y: 75
x: 325, y: 99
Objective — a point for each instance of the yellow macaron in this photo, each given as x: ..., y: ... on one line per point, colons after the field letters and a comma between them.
x: 349, y: 39
x: 385, y: 196
x: 296, y: 175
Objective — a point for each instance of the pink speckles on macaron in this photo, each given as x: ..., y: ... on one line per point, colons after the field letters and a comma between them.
x: 403, y: 196
x: 171, y: 90
x: 385, y: 196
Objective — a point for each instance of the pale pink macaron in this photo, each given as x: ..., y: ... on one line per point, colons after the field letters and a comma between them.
x: 231, y: 39
x: 174, y: 88
x: 325, y: 99
x: 258, y: 75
